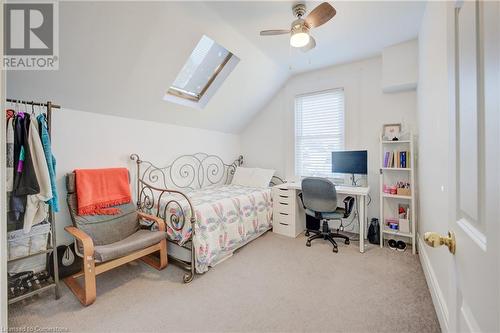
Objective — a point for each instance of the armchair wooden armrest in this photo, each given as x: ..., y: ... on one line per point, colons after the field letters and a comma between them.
x: 87, y: 294
x: 159, y: 221
x: 87, y: 242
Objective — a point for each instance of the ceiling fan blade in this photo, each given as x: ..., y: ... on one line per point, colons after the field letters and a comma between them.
x: 320, y: 15
x: 274, y: 32
x: 311, y: 45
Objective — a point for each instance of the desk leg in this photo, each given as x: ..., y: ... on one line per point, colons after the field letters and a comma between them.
x: 362, y: 221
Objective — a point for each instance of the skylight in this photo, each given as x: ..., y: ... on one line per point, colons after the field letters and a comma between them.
x: 205, y: 63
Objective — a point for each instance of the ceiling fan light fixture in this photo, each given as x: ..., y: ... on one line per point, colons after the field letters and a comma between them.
x: 299, y: 31
x: 300, y: 37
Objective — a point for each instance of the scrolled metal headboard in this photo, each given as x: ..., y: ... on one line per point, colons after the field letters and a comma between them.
x: 188, y: 172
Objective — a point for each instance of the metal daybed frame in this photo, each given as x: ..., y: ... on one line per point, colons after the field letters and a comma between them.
x: 185, y: 173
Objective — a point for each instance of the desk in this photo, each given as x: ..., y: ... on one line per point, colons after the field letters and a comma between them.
x: 290, y: 216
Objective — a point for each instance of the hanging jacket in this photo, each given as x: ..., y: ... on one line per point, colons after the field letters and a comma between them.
x: 25, y: 181
x: 9, y: 183
x: 51, y: 161
x: 36, y: 206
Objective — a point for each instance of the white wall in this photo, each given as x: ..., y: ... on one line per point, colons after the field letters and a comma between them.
x: 433, y: 148
x: 89, y: 140
x: 400, y: 66
x: 268, y: 141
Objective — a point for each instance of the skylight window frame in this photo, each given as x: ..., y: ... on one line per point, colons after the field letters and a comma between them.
x: 177, y: 92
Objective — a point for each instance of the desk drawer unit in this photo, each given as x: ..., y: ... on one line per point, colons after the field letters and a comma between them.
x: 283, y: 224
x: 287, y: 215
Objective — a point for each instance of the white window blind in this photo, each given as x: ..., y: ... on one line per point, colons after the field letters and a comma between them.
x: 319, y: 130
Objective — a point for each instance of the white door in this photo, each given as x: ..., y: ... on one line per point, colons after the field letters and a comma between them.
x: 474, y: 204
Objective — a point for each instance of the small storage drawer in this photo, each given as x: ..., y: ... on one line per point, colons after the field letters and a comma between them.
x: 283, y: 207
x: 282, y: 224
x: 282, y: 192
x: 284, y: 218
x: 282, y: 198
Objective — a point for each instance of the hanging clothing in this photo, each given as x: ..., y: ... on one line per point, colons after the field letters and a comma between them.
x: 36, y: 207
x: 25, y: 181
x: 9, y: 113
x: 51, y: 160
x: 10, y: 155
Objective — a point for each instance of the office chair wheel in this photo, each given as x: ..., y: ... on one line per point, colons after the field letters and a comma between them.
x: 335, y: 249
x: 347, y: 242
x: 306, y: 233
x: 308, y: 243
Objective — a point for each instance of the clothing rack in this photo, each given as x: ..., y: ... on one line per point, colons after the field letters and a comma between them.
x: 49, y: 106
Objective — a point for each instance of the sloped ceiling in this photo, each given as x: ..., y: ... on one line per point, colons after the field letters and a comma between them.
x: 119, y: 58
x: 359, y: 30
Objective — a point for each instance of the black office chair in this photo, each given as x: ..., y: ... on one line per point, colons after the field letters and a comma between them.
x: 319, y: 199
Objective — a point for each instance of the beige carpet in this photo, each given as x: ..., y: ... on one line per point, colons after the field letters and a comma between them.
x: 273, y: 284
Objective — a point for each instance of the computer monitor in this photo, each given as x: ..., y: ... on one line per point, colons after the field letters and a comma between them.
x: 354, y: 162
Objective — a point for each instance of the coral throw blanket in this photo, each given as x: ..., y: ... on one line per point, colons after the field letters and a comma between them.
x: 99, y: 189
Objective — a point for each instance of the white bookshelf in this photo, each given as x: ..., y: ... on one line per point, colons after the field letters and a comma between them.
x: 389, y: 203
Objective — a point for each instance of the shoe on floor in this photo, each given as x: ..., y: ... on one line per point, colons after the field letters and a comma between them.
x: 401, y: 246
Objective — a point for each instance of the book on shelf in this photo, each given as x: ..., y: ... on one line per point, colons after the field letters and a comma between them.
x: 396, y: 159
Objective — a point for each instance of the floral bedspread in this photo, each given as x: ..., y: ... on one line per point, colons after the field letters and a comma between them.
x: 227, y: 216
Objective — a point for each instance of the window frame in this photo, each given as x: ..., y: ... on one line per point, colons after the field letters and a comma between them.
x: 184, y: 94
x: 310, y: 93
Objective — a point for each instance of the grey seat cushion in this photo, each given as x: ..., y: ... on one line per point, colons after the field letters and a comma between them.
x: 338, y: 214
x: 106, y: 229
x: 137, y: 241
x: 103, y: 229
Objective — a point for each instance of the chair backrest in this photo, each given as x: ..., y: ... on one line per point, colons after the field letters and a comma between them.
x: 103, y: 229
x: 319, y: 194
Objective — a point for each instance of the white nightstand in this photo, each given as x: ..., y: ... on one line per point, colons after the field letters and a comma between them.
x: 288, y: 215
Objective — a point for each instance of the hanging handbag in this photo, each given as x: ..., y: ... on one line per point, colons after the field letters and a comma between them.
x: 68, y: 262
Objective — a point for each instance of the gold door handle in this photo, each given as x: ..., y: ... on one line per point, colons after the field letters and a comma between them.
x: 433, y: 239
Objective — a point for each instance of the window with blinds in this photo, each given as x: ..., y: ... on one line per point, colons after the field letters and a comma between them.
x: 319, y: 130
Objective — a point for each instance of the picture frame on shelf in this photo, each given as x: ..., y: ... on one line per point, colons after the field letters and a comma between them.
x: 391, y: 132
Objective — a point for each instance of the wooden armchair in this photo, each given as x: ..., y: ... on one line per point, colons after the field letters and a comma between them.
x: 108, y: 241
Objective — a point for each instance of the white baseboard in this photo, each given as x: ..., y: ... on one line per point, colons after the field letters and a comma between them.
x: 438, y: 298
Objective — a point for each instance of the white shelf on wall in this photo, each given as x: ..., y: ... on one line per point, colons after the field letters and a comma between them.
x: 397, y: 233
x: 395, y: 142
x: 395, y: 196
x: 389, y: 203
x: 397, y: 169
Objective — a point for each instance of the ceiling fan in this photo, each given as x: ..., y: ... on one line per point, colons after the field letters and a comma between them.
x: 299, y: 30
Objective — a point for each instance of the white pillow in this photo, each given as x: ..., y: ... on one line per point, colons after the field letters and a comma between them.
x: 254, y: 177
x: 262, y: 177
x: 243, y: 176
